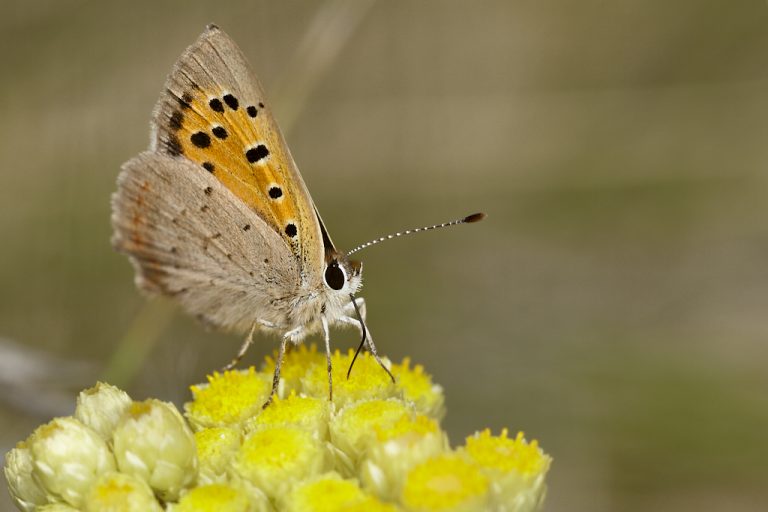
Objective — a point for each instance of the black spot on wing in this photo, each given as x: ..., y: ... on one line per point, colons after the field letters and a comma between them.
x: 216, y: 105
x: 201, y: 139
x: 208, y: 166
x: 275, y: 192
x: 252, y: 111
x: 231, y: 101
x: 219, y: 132
x: 290, y: 230
x: 258, y: 153
x: 176, y: 120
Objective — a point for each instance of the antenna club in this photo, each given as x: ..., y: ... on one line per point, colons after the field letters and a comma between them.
x: 475, y: 217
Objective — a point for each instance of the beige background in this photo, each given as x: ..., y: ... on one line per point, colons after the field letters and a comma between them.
x: 613, y: 304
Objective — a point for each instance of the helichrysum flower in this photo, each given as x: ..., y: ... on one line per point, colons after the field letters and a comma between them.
x: 516, y: 469
x: 446, y: 483
x: 101, y: 407
x: 417, y: 387
x: 153, y: 442
x: 229, y: 399
x: 331, y: 493
x: 23, y: 488
x: 396, y: 449
x: 67, y: 458
x: 377, y: 447
x: 221, y: 498
x: 275, y: 458
x: 216, y: 448
x: 119, y: 492
x: 367, y: 380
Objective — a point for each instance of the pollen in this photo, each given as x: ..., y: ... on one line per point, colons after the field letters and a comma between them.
x: 417, y: 386
x: 214, y: 498
x: 308, y: 413
x: 507, y: 455
x: 229, y: 398
x: 367, y: 379
x: 275, y: 458
x: 444, y: 483
x: 329, y: 493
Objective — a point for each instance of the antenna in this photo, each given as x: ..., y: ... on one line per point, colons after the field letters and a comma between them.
x: 475, y: 217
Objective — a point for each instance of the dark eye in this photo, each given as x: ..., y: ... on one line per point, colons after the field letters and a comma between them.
x: 334, y: 276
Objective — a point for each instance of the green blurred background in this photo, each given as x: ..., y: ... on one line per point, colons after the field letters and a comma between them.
x: 613, y: 303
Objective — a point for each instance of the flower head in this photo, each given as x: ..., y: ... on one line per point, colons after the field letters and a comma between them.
x: 220, y: 498
x: 446, y: 483
x: 378, y: 447
x: 216, y: 448
x: 118, y: 492
x: 331, y: 493
x: 367, y: 380
x: 67, y: 458
x: 101, y: 408
x: 229, y: 398
x: 153, y: 442
x: 24, y: 490
x: 417, y: 387
x: 516, y: 467
x: 274, y: 458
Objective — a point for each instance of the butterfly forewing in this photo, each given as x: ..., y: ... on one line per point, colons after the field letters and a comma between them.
x: 214, y: 114
x: 190, y: 238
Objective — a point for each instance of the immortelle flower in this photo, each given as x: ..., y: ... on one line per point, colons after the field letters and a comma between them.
x: 377, y: 447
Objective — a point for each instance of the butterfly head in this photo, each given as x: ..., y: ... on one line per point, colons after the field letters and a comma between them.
x: 342, y: 275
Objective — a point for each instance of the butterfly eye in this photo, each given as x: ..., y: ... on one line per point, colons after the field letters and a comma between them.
x: 334, y: 276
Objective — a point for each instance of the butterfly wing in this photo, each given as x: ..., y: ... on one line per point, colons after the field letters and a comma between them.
x: 190, y: 237
x: 213, y: 113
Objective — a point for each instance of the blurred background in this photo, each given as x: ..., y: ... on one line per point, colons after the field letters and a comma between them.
x: 613, y: 304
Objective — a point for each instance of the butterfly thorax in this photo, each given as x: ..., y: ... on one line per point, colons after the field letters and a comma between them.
x: 329, y: 299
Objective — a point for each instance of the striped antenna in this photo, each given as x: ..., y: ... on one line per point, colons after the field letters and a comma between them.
x: 475, y: 217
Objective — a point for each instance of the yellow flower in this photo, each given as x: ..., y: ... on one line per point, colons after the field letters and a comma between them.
x: 417, y: 387
x: 330, y: 493
x: 516, y: 468
x: 220, y: 498
x: 305, y: 412
x: 368, y: 380
x: 378, y: 447
x: 296, y: 363
x: 216, y: 448
x: 397, y: 448
x: 446, y: 483
x: 229, y: 398
x: 352, y: 429
x: 118, y: 492
x: 274, y: 458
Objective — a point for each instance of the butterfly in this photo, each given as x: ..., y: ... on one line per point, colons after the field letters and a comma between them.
x: 216, y: 214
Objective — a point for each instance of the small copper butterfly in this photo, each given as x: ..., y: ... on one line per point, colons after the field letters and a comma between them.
x: 216, y: 215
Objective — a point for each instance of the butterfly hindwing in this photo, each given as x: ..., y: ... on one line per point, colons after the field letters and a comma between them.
x: 214, y: 114
x: 189, y: 237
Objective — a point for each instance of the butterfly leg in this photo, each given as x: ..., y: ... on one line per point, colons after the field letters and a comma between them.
x: 243, y: 349
x: 276, y: 375
x: 327, y: 336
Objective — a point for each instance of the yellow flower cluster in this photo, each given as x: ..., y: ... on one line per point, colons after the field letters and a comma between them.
x: 377, y: 447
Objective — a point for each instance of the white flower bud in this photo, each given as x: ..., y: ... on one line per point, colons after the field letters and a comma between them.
x: 101, y: 407
x: 67, y: 458
x: 24, y: 490
x: 153, y: 442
